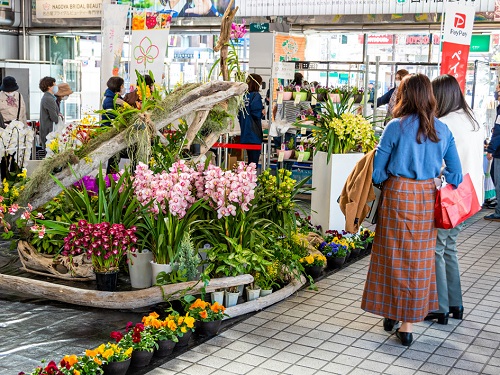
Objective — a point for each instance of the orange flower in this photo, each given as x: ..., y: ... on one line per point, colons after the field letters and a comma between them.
x: 216, y: 307
x: 198, y: 304
x: 172, y: 325
x: 203, y: 314
x: 70, y: 359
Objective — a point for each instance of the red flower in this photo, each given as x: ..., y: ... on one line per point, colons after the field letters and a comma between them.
x: 129, y: 325
x: 117, y: 335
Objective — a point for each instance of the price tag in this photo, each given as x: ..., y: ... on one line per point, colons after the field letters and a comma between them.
x: 318, y: 116
x: 282, y: 147
x: 297, y: 100
x: 302, y: 117
x: 314, y: 99
x: 301, y: 148
x: 300, y: 157
x: 297, y: 88
x: 303, y: 130
x: 281, y: 88
x: 280, y: 98
x: 281, y: 156
x: 313, y: 90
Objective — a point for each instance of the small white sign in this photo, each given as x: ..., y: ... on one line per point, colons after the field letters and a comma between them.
x: 68, y: 9
x: 283, y: 70
x: 458, y: 23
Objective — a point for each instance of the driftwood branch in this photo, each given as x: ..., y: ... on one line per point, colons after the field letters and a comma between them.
x: 113, y: 300
x: 201, y: 98
x: 225, y: 36
x: 195, y: 126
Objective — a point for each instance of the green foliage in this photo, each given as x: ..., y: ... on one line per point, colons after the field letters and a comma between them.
x: 188, y: 258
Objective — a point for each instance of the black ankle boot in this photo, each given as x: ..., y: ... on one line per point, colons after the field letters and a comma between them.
x: 442, y: 318
x: 457, y: 312
x: 389, y: 324
x: 406, y: 338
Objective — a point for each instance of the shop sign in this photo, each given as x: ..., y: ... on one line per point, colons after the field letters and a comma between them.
x: 283, y: 70
x: 457, y: 34
x: 378, y: 39
x: 68, y: 9
x: 264, y: 8
x: 480, y: 43
x: 5, y: 4
x: 259, y: 27
x: 422, y: 39
x: 305, y: 65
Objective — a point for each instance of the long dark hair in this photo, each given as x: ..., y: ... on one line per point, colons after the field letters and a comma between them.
x: 450, y: 98
x: 415, y: 97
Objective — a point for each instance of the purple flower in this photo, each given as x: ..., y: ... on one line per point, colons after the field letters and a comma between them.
x: 90, y: 184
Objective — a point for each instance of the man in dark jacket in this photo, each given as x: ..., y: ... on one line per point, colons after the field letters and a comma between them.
x: 493, y: 152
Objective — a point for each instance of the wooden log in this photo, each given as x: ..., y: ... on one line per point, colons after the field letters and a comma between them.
x: 195, y: 127
x: 201, y: 98
x: 263, y: 302
x: 113, y: 300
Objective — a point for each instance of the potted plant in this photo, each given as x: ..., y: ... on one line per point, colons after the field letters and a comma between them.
x: 288, y: 151
x: 253, y: 291
x: 164, y: 332
x: 357, y: 94
x: 322, y: 94
x: 208, y: 316
x: 140, y: 339
x: 105, y: 244
x: 335, y: 254
x: 185, y: 327
x: 169, y: 206
x: 303, y: 92
x: 314, y: 264
x: 113, y: 358
x: 288, y: 92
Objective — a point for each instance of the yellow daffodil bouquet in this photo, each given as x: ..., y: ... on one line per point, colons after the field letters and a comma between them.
x: 313, y: 260
x: 337, y: 130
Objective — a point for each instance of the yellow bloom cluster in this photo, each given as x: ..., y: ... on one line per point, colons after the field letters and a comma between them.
x: 278, y: 191
x: 344, y: 241
x: 109, y: 352
x: 314, y: 260
x: 170, y: 326
x: 148, y: 92
x: 300, y: 239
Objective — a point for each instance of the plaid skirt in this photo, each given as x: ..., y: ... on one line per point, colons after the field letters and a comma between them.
x: 401, y: 282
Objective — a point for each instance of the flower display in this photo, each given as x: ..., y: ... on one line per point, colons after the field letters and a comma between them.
x: 73, y: 136
x: 313, y: 260
x: 138, y: 337
x: 332, y: 249
x: 238, y: 31
x: 206, y: 312
x: 17, y: 138
x: 168, y: 328
x: 109, y: 352
x: 226, y: 191
x: 104, y: 243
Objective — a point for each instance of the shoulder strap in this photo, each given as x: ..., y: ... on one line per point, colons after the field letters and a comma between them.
x: 18, y: 106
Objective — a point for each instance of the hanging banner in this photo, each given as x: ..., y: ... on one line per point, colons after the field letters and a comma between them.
x: 150, y: 32
x: 457, y: 34
x: 114, y: 23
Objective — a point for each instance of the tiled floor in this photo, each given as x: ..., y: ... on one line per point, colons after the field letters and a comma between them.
x: 326, y: 332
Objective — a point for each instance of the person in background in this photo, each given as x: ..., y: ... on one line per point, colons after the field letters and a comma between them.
x: 298, y: 79
x: 389, y: 97
x: 63, y: 92
x: 250, y: 118
x: 49, y: 113
x: 453, y: 110
x: 12, y: 106
x: 134, y: 98
x: 400, y: 284
x: 112, y: 98
x: 493, y: 153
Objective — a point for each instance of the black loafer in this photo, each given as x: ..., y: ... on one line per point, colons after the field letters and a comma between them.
x: 406, y: 338
x: 442, y: 318
x: 389, y: 324
x: 457, y: 312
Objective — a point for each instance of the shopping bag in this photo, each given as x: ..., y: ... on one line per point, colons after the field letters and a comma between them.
x: 454, y: 206
x: 374, y: 205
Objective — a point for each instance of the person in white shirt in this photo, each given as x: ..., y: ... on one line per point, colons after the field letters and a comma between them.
x: 454, y: 111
